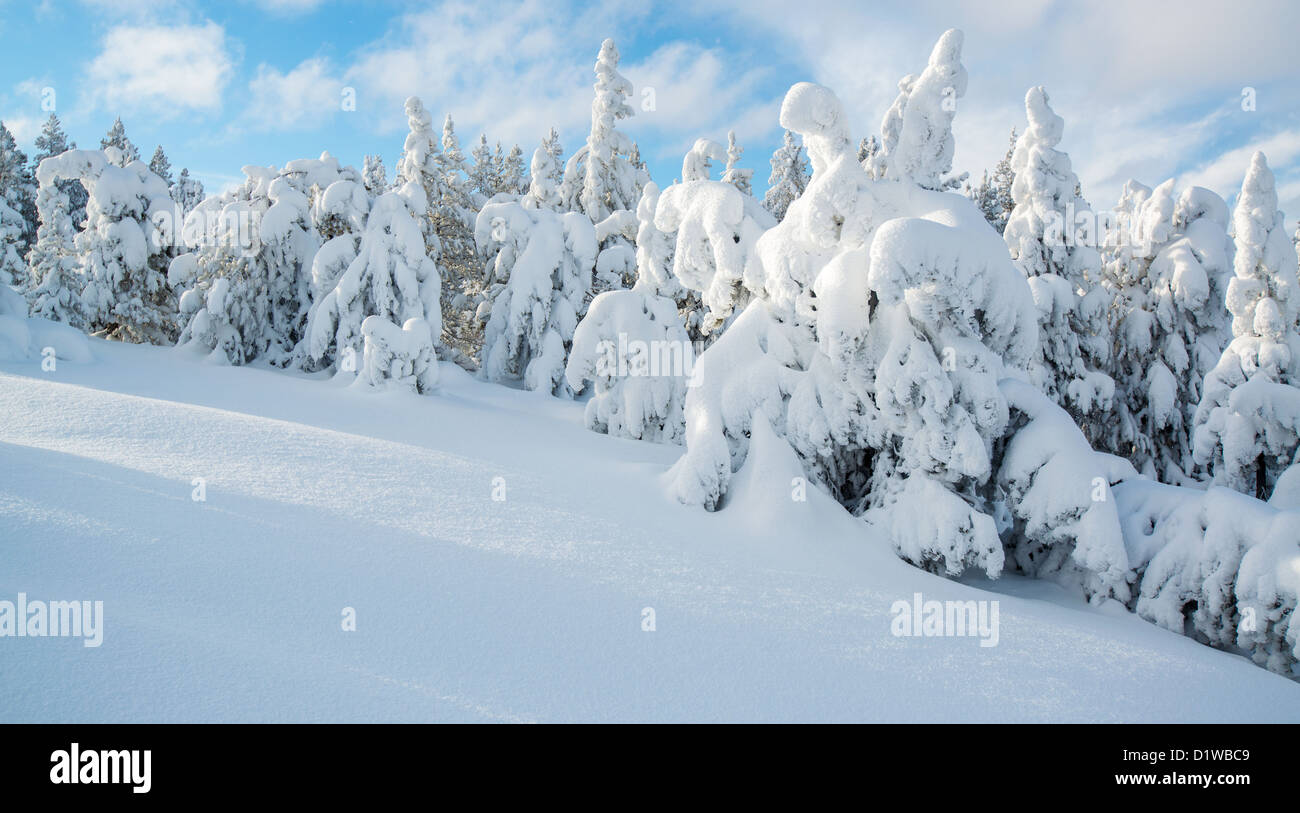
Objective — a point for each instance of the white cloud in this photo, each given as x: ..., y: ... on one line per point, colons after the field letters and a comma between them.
x: 169, y: 70
x: 512, y: 70
x: 1225, y: 173
x: 697, y: 92
x: 1144, y: 89
x: 306, y: 96
x: 24, y: 128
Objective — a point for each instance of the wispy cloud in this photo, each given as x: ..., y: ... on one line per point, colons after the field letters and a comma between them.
x: 307, y: 96
x: 169, y: 70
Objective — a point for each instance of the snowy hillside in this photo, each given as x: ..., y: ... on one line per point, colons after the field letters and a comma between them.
x: 320, y: 497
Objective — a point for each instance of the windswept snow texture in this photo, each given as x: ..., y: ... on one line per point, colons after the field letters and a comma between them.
x: 321, y: 497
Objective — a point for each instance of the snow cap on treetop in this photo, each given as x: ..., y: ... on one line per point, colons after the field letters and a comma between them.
x: 814, y: 112
x: 1046, y: 125
x: 696, y: 164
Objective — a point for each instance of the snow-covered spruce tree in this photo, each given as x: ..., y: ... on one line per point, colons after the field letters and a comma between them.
x: 444, y: 175
x: 187, y: 191
x: 224, y: 307
x: 484, y: 179
x: 918, y: 143
x: 1003, y: 180
x: 392, y: 278
x: 116, y: 137
x: 261, y: 239
x: 716, y: 227
x: 13, y: 270
x: 1215, y: 565
x: 867, y: 149
x: 539, y: 270
x: 341, y: 208
x: 54, y: 283
x: 993, y: 195
x: 512, y: 172
x: 1248, y: 422
x: 449, y: 235
x: 551, y: 143
x: 18, y: 193
x: 160, y: 166
x: 1161, y: 315
x: 1187, y: 283
x: 789, y: 177
x: 125, y: 294
x: 1061, y: 521
x: 1064, y: 271
x: 374, y: 175
x: 891, y: 126
x: 603, y: 181
x: 53, y: 141
x: 600, y: 179
x: 423, y: 163
x: 1167, y: 272
x: 632, y: 347
x: 290, y: 234
x: 339, y: 216
x: 402, y: 357
x: 742, y: 179
x: 884, y: 317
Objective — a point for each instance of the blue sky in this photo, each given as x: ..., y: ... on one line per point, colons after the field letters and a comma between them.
x: 1149, y: 90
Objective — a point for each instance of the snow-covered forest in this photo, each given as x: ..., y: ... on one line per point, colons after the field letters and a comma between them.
x: 983, y: 372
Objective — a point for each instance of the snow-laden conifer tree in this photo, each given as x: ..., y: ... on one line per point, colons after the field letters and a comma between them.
x: 1188, y: 280
x: 1167, y: 272
x: 887, y: 341
x: 512, y: 174
x: 1063, y: 269
x: 18, y: 193
x: 789, y: 177
x: 633, y: 348
x: 600, y: 179
x: 53, y: 141
x: 484, y: 181
x: 1248, y: 421
x: 187, y: 191
x: 54, y: 283
x: 715, y: 228
x: 993, y: 196
x: 392, y: 278
x: 116, y: 137
x: 917, y: 130
x: 402, y: 357
x: 374, y: 175
x: 1217, y: 566
x: 160, y: 166
x: 891, y: 127
x: 740, y: 178
x: 551, y: 143
x: 539, y: 270
x: 443, y: 174
x: 867, y: 149
x: 256, y: 247
x: 129, y: 218
x: 603, y: 179
x: 13, y: 270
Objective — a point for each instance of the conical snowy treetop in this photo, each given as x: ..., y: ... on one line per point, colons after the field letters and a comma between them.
x: 1262, y: 296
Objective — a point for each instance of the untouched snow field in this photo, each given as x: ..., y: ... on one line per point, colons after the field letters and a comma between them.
x: 321, y: 497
